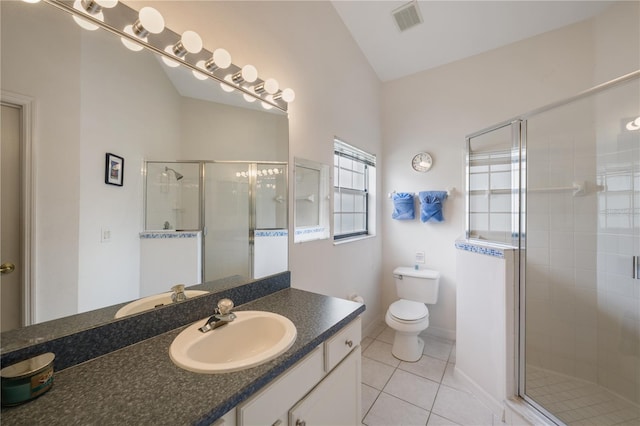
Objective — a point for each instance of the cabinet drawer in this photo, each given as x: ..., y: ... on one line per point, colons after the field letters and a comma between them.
x: 341, y: 344
x: 274, y: 401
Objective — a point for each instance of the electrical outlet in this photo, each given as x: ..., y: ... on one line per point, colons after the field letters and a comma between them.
x: 105, y: 235
x: 420, y: 257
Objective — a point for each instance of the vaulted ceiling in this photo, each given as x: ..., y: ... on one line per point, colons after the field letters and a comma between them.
x: 451, y: 30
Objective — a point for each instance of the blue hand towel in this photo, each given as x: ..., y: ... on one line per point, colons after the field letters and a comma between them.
x: 403, y: 206
x: 431, y: 205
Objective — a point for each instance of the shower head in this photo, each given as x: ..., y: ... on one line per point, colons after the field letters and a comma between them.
x: 178, y: 175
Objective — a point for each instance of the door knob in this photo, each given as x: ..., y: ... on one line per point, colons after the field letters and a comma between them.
x: 7, y: 268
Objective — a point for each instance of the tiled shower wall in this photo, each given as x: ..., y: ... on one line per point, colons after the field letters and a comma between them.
x: 582, y: 305
x: 561, y: 245
x: 618, y: 171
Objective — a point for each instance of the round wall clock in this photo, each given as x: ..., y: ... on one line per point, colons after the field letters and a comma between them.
x: 422, y: 162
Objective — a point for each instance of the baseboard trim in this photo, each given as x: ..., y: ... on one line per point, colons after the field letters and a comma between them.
x: 496, y: 407
x: 368, y: 329
x: 443, y: 333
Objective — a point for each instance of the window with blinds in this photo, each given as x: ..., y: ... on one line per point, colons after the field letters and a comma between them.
x: 353, y: 170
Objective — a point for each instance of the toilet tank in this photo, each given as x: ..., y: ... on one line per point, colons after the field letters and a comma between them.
x: 420, y: 285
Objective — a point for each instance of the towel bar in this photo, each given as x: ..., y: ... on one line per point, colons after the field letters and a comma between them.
x: 449, y: 192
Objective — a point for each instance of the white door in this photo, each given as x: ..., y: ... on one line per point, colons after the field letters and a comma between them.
x: 10, y: 226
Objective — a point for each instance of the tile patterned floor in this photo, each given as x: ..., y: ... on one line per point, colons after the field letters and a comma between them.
x: 425, y: 392
x: 577, y: 402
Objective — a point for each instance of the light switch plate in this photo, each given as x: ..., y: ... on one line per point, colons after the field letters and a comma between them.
x: 105, y: 235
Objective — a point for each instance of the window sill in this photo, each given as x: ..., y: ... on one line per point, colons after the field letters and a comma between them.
x: 350, y: 240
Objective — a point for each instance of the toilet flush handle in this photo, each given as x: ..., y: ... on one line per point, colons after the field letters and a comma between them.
x: 397, y: 276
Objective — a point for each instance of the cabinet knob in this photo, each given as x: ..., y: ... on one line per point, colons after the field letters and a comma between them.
x: 349, y: 343
x: 301, y: 423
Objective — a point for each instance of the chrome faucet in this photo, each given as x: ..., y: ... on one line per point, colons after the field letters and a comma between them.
x: 222, y: 316
x: 178, y: 294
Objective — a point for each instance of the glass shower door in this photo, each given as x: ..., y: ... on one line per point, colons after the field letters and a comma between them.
x: 270, y: 235
x: 581, y: 353
x: 226, y: 220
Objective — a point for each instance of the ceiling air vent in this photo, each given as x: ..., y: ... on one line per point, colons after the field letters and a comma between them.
x: 407, y: 16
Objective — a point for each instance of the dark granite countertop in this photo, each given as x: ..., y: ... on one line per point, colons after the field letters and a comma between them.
x: 139, y: 384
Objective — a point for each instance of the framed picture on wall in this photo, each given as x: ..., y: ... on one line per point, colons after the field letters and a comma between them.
x: 114, y: 170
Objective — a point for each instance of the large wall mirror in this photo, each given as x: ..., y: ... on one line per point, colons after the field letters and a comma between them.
x: 92, y: 96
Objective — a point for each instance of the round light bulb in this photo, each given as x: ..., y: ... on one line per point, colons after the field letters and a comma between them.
x: 83, y: 23
x: 128, y: 43
x: 248, y: 98
x: 151, y: 20
x: 86, y: 25
x: 222, y: 58
x: 31, y: 1
x: 249, y: 73
x: 288, y: 95
x: 266, y: 105
x: 169, y: 62
x: 227, y: 87
x: 191, y: 41
x: 271, y: 86
x: 107, y: 3
x: 200, y: 75
x: 634, y: 124
x: 197, y: 74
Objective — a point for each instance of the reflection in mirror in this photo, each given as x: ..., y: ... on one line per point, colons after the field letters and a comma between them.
x: 312, y: 201
x: 93, y: 96
x: 492, y: 180
x: 172, y: 196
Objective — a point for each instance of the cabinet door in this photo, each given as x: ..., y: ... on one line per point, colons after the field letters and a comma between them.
x: 273, y: 402
x: 228, y: 419
x: 335, y: 401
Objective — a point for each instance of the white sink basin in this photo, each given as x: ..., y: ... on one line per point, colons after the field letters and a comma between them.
x: 253, y: 338
x: 151, y: 302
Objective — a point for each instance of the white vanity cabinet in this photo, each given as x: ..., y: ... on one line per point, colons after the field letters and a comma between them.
x: 336, y: 399
x: 321, y: 389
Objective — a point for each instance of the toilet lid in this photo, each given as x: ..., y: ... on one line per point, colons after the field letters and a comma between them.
x: 408, y: 310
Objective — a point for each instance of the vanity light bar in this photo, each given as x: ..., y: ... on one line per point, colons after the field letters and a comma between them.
x: 231, y: 77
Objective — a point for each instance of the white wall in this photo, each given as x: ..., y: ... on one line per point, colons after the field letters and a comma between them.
x: 304, y: 45
x: 133, y: 114
x: 434, y: 111
x: 56, y: 185
x: 219, y: 132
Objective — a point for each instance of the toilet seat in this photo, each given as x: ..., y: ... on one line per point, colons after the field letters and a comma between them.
x: 408, y: 311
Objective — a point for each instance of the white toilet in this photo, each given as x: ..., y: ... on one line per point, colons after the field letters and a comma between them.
x: 409, y: 315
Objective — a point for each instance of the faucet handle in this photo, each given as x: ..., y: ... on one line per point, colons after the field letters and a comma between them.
x: 225, y: 306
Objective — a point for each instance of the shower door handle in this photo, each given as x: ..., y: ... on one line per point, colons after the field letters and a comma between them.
x: 636, y: 268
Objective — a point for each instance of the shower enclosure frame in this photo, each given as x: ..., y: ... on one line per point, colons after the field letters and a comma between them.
x: 519, y: 141
x: 202, y: 200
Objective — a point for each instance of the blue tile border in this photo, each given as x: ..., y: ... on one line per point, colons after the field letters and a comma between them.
x: 169, y: 234
x: 304, y: 231
x: 482, y: 248
x: 272, y: 233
